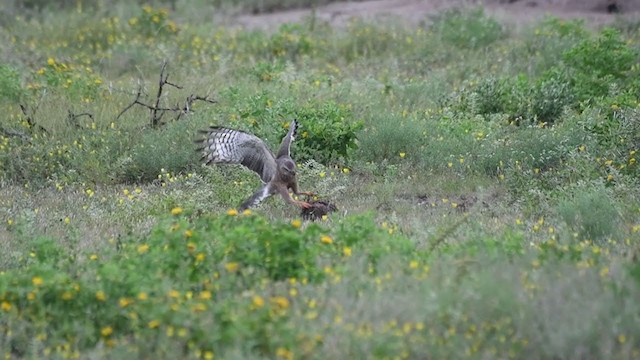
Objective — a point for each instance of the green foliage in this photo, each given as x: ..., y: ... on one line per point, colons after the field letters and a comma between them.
x: 153, y: 22
x: 177, y: 275
x: 290, y: 42
x: 327, y: 131
x: 75, y: 81
x: 549, y: 98
x: 10, y: 84
x: 597, y: 64
x: 389, y: 135
x: 467, y: 28
x: 590, y: 212
x: 155, y: 150
x: 497, y: 174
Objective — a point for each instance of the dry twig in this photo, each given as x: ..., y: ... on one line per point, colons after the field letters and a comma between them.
x: 157, y: 111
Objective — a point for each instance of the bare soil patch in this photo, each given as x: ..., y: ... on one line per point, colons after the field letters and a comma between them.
x: 516, y: 12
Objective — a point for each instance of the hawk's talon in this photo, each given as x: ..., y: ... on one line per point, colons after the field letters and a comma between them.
x: 304, y: 204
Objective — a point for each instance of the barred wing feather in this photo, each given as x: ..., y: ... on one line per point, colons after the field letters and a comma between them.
x: 228, y: 146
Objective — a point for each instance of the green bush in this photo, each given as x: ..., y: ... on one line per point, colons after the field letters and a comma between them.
x: 10, y: 84
x: 169, y: 148
x: 595, y: 65
x: 389, y: 135
x: 549, y: 98
x: 290, y: 42
x: 152, y: 22
x: 590, y: 212
x: 327, y: 130
x: 467, y: 28
x: 188, y: 274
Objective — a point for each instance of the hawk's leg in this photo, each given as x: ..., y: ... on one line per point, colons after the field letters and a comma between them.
x: 287, y: 197
x: 294, y: 187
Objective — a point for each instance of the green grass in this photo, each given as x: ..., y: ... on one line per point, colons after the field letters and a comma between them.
x: 486, y: 182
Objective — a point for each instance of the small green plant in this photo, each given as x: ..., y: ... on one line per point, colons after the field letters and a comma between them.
x: 290, y: 42
x: 75, y: 81
x: 467, y: 28
x: 549, y: 98
x: 153, y: 22
x: 10, y: 84
x: 596, y: 64
x: 590, y: 212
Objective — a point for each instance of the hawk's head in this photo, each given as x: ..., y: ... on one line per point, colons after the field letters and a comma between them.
x: 286, y: 168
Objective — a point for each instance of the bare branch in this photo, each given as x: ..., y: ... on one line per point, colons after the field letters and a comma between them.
x: 71, y: 117
x: 135, y: 101
x: 29, y: 118
x: 157, y: 111
x: 14, y: 133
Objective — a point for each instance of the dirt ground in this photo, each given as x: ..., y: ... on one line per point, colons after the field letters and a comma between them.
x: 516, y: 12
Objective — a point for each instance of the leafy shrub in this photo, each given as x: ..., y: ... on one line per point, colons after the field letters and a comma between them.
x: 467, y: 28
x: 389, y: 135
x: 290, y: 42
x: 366, y: 40
x: 327, y: 130
x: 488, y: 97
x: 10, y: 84
x: 75, y: 81
x: 203, y: 277
x: 153, y: 22
x: 267, y: 70
x: 167, y: 148
x: 590, y: 211
x: 596, y: 64
x: 549, y: 97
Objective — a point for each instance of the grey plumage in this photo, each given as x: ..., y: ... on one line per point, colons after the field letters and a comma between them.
x: 228, y: 146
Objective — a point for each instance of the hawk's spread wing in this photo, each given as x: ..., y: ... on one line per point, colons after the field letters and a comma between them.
x: 228, y: 146
x: 285, y: 147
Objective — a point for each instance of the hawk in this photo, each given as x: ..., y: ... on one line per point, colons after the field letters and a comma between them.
x: 278, y: 173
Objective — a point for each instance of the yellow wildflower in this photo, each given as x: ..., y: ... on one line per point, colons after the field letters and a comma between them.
x: 231, y: 266
x: 153, y: 324
x: 106, y: 331
x: 143, y: 248
x: 258, y: 301
x: 205, y: 295
x: 325, y: 239
x: 296, y: 223
x: 346, y: 251
x: 232, y: 212
x: 280, y: 301
x: 100, y: 295
x: 124, y: 302
x: 176, y: 211
x: 6, y: 306
x: 36, y: 280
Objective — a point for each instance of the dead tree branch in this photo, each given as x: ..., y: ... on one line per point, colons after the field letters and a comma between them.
x: 135, y: 101
x: 29, y: 118
x: 71, y: 117
x: 157, y: 111
x: 14, y: 133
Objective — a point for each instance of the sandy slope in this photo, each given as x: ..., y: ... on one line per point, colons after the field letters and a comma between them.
x: 512, y: 11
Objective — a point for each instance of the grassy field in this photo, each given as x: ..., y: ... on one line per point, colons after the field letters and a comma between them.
x: 486, y: 178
